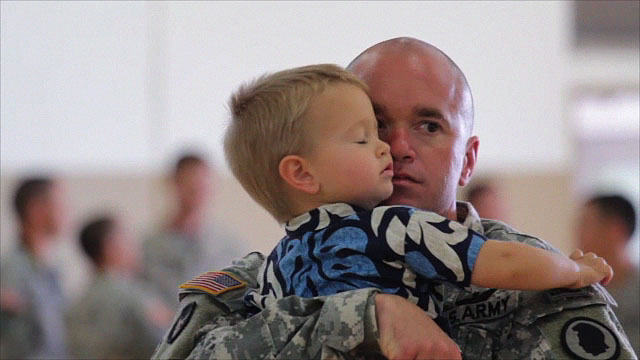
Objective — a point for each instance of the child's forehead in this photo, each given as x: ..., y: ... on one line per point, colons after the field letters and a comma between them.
x: 336, y: 107
x: 340, y: 96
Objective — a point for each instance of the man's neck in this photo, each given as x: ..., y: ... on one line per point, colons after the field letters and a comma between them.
x: 36, y: 241
x: 187, y: 222
x: 459, y: 213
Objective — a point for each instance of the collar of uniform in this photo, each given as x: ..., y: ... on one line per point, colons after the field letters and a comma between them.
x: 320, y: 218
x: 468, y: 216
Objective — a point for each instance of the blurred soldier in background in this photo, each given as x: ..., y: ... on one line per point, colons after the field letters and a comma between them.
x: 606, y: 224
x: 115, y: 318
x: 31, y: 299
x: 187, y: 244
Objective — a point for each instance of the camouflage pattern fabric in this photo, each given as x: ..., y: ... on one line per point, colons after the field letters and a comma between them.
x: 627, y: 296
x: 111, y: 320
x: 283, y: 329
x: 487, y: 323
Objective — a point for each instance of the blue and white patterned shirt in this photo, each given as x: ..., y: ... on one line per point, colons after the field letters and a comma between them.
x: 339, y: 247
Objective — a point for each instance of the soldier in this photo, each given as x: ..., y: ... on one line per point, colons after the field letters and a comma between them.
x: 186, y: 246
x: 425, y: 112
x: 31, y: 299
x: 606, y: 224
x: 115, y: 318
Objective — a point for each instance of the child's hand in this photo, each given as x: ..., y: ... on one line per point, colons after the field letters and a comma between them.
x: 593, y: 269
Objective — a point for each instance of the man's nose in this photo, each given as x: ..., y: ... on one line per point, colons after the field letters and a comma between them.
x: 400, y: 144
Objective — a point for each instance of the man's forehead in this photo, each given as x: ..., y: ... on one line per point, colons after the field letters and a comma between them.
x: 423, y: 65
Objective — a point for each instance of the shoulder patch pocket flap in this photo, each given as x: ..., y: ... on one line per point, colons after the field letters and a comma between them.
x: 536, y: 305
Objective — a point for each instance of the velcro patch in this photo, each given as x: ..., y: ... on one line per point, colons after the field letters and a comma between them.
x: 214, y: 282
x: 181, y: 322
x: 555, y: 295
x: 486, y: 306
x: 586, y: 338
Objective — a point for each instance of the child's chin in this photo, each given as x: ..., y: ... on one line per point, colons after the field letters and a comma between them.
x: 382, y: 199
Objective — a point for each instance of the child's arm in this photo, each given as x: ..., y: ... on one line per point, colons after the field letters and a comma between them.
x: 510, y: 265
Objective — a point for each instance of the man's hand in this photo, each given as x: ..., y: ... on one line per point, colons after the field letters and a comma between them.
x: 593, y: 269
x: 406, y: 332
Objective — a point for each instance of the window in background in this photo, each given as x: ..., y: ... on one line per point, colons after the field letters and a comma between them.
x: 606, y: 22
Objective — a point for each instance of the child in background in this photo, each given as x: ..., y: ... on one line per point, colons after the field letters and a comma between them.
x: 304, y: 144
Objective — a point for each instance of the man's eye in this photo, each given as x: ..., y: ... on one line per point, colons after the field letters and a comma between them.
x: 431, y: 126
x: 363, y: 142
x: 381, y: 124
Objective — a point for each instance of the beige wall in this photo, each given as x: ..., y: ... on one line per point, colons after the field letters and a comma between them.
x: 539, y: 204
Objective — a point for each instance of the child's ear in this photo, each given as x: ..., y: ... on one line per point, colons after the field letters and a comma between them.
x: 294, y: 170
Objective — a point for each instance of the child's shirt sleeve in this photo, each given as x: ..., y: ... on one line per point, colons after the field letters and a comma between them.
x: 432, y: 246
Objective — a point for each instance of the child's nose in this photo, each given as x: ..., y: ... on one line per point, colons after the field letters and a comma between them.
x: 383, y: 148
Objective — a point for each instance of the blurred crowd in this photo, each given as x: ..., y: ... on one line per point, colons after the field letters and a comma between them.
x: 132, y: 293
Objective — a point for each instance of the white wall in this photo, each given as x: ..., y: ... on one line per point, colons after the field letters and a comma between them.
x: 119, y: 86
x: 73, y: 86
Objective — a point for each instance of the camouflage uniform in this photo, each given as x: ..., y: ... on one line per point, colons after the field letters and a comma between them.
x: 487, y: 323
x: 111, y: 321
x: 171, y: 258
x: 628, y: 297
x: 36, y: 329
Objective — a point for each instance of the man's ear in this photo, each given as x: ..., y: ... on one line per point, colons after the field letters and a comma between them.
x: 295, y: 171
x: 469, y: 161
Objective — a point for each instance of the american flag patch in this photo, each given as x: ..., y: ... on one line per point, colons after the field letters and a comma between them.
x: 213, y: 282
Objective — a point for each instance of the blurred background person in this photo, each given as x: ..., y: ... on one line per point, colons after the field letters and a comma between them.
x: 187, y: 244
x: 31, y: 299
x: 605, y: 226
x: 116, y: 318
x: 487, y: 199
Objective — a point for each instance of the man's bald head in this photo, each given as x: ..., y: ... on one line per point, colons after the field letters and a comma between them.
x: 418, y: 49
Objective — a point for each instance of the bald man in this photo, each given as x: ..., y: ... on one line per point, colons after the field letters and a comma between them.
x: 424, y: 109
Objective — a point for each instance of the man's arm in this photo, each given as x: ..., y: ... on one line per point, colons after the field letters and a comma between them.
x: 339, y: 326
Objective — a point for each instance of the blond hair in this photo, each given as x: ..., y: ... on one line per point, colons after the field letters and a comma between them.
x: 267, y: 124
